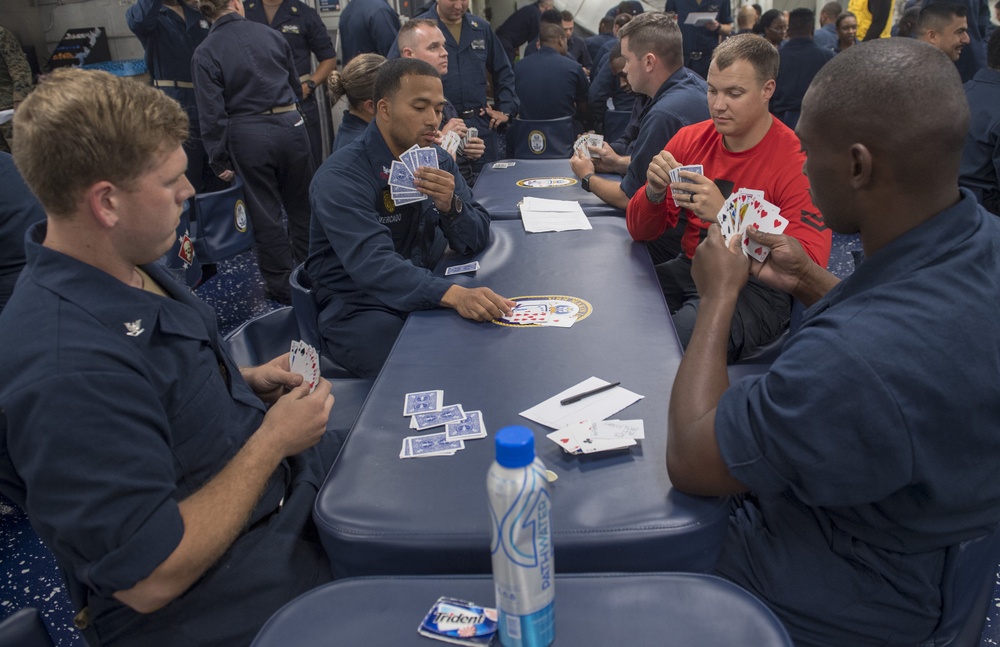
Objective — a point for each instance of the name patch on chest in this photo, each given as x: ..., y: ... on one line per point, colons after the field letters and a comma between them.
x: 479, y: 43
x: 390, y: 219
x: 290, y: 29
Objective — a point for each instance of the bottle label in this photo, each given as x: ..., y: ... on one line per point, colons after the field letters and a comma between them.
x: 535, y: 630
x: 521, y: 550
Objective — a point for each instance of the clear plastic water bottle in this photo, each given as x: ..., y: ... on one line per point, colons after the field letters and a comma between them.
x: 521, y: 541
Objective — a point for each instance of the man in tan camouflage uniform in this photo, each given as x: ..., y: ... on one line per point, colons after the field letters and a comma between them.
x: 15, y: 80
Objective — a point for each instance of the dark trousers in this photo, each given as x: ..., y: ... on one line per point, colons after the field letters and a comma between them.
x: 199, y: 173
x: 360, y: 340
x: 312, y: 114
x: 762, y: 314
x: 271, y: 563
x: 699, y: 65
x: 273, y: 156
x: 668, y: 245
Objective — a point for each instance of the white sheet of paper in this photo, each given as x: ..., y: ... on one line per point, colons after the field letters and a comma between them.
x: 6, y: 115
x: 539, y: 215
x: 700, y: 17
x: 545, y: 204
x: 597, y: 407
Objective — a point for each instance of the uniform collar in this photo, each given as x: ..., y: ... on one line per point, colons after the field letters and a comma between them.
x: 228, y: 18
x: 987, y: 75
x: 120, y: 307
x: 921, y: 246
x: 379, y: 154
x: 676, y: 78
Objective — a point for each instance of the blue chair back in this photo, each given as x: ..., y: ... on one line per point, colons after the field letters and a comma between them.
x: 307, y: 316
x: 24, y: 628
x: 263, y: 338
x: 615, y: 122
x: 966, y: 589
x: 182, y: 259
x: 540, y: 138
x: 222, y: 224
x: 306, y: 311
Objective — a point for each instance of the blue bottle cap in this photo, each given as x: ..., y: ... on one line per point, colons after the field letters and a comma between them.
x: 515, y: 446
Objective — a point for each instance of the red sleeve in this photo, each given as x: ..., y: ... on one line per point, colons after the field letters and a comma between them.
x: 805, y: 222
x: 648, y: 221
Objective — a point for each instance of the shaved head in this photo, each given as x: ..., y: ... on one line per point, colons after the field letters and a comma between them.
x: 865, y: 95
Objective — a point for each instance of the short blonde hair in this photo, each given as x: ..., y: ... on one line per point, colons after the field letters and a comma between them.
x: 80, y: 127
x: 753, y: 49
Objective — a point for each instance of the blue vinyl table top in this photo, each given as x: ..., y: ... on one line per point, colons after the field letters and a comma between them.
x: 498, y: 191
x: 617, y: 511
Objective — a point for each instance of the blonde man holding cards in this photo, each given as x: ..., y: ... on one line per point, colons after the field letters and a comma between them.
x: 868, y: 450
x: 421, y: 38
x: 379, y: 228
x: 741, y: 146
x: 177, y: 504
x: 654, y: 64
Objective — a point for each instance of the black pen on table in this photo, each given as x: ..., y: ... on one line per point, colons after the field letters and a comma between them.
x: 586, y: 394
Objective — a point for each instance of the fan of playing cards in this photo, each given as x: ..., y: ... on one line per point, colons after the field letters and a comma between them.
x: 304, y: 360
x: 585, y: 140
x: 427, y: 410
x: 401, y: 174
x: 745, y: 209
x: 455, y: 144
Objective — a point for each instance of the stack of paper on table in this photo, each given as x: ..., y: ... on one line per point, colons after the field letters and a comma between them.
x: 541, y: 214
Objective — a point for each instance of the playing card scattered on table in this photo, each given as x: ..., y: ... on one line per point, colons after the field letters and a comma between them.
x: 582, y: 438
x: 462, y: 269
x: 304, y: 360
x: 401, y: 174
x: 427, y: 411
x: 747, y: 209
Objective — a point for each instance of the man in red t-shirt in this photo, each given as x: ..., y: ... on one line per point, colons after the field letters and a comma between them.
x: 741, y: 146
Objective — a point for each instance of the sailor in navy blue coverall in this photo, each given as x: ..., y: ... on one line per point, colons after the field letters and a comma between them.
x: 521, y: 27
x: 370, y: 260
x: 306, y: 35
x: 169, y: 34
x: 476, y: 58
x: 367, y: 27
x: 177, y: 505
x: 247, y: 88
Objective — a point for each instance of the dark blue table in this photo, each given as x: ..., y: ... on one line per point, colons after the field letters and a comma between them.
x: 499, y: 190
x: 665, y: 609
x: 378, y: 514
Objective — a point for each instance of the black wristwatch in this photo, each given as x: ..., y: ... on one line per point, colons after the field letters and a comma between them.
x: 311, y: 84
x: 456, y: 205
x: 585, y: 182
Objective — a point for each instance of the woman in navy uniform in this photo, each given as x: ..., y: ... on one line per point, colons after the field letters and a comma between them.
x: 357, y: 81
x: 306, y: 35
x: 246, y: 87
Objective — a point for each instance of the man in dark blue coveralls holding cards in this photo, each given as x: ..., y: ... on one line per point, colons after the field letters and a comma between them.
x: 370, y: 257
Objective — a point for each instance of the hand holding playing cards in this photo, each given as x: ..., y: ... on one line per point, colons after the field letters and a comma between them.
x: 787, y: 264
x: 658, y: 175
x: 474, y: 149
x: 454, y: 124
x: 719, y: 271
x: 581, y: 164
x: 272, y: 380
x: 698, y: 194
x: 606, y: 160
x: 436, y: 183
x: 477, y: 304
x: 298, y: 419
